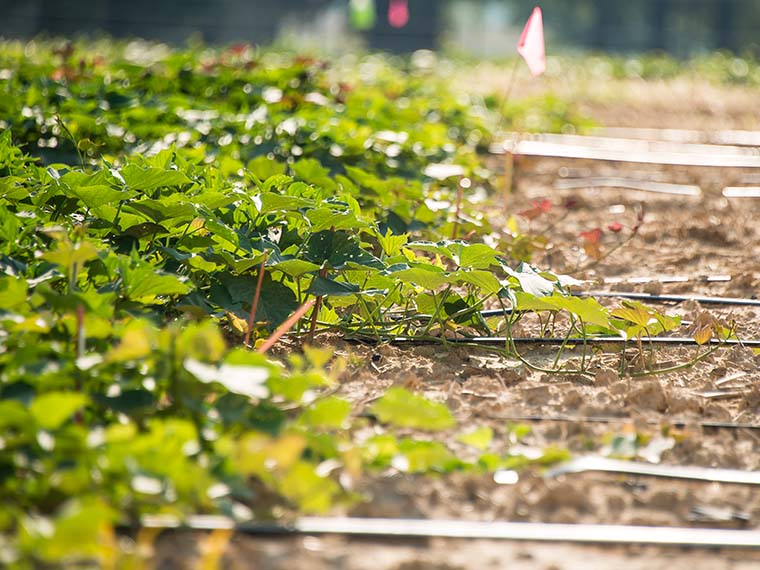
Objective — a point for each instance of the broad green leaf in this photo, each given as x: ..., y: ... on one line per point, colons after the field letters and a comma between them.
x: 160, y: 210
x: 311, y: 492
x: 263, y: 167
x: 12, y: 292
x: 13, y: 414
x: 202, y: 340
x: 529, y: 302
x: 310, y: 171
x: 270, y: 202
x: 324, y: 287
x: 245, y: 264
x: 149, y: 179
x: 277, y: 182
x: 296, y: 267
x: 380, y: 449
x: 644, y: 319
x: 587, y: 309
x: 78, y: 531
x: 330, y: 412
x: 338, y: 250
x: 392, y: 244
x: 479, y: 438
x: 475, y: 256
x: 213, y: 200
x: 136, y: 343
x: 403, y: 408
x: 484, y: 280
x: 426, y: 276
x: 221, y: 230
x: 426, y: 456
x: 438, y: 248
x: 635, y: 313
x: 530, y: 281
x: 260, y: 454
x: 9, y: 226
x: 99, y: 195
x: 146, y: 285
x: 69, y: 255
x: 327, y: 219
x: 52, y: 409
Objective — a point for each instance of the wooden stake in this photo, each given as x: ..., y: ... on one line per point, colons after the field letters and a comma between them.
x: 255, y: 303
x: 286, y: 326
x: 509, y: 174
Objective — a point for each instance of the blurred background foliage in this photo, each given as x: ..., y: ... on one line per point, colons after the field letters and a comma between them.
x: 475, y: 27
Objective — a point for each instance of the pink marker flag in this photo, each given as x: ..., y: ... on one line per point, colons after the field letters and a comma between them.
x: 531, y: 44
x: 398, y: 13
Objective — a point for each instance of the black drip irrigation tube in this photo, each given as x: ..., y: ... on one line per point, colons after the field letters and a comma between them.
x: 732, y: 301
x: 726, y: 301
x: 621, y: 420
x: 590, y: 341
x: 459, y: 529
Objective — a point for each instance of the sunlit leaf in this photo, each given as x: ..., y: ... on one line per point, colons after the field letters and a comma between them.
x: 149, y: 179
x: 479, y: 438
x: 403, y: 408
x: 52, y: 409
x: 330, y: 412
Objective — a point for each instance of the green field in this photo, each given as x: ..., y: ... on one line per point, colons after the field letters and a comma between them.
x: 148, y: 195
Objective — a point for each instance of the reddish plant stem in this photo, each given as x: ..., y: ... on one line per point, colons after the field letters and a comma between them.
x: 255, y: 303
x: 286, y: 326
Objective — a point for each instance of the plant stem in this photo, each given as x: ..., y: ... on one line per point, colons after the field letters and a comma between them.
x: 255, y: 303
x: 438, y: 306
x: 317, y: 306
x: 460, y: 193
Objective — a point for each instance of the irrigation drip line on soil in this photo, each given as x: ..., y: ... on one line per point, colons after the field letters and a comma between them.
x: 422, y: 528
x: 619, y: 420
x: 665, y: 279
x: 730, y: 137
x: 629, y: 184
x: 741, y: 192
x: 694, y: 473
x: 732, y: 301
x: 591, y: 341
x: 725, y: 301
x: 620, y: 150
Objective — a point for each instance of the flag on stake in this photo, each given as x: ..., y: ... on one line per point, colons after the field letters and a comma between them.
x: 398, y: 13
x: 531, y: 44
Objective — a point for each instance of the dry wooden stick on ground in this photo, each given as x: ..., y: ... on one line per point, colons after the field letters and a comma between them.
x: 255, y: 302
x: 287, y: 325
